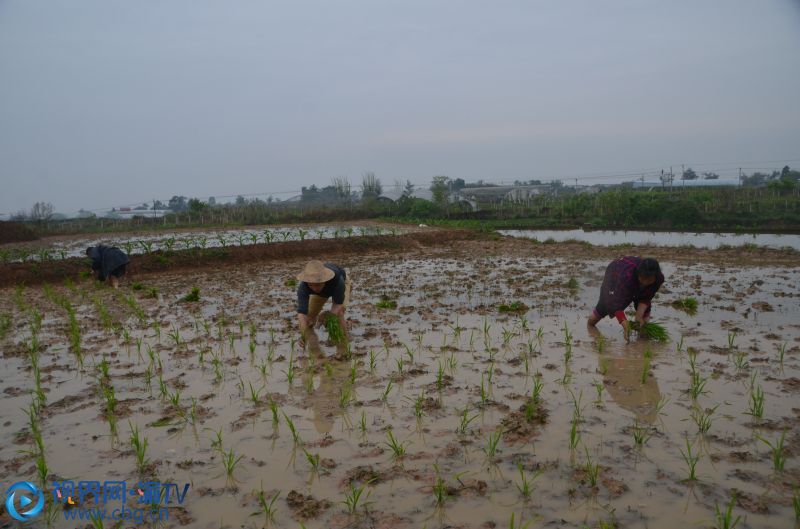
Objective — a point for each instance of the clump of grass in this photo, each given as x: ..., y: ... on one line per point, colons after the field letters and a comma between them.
x: 152, y: 292
x: 572, y: 284
x: 651, y: 330
x: 688, y: 305
x: 192, y: 296
x: 334, y: 327
x: 514, y: 306
x: 386, y: 303
x: 291, y: 282
x: 137, y: 286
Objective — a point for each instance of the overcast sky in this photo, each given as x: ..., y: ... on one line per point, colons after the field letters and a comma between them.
x: 116, y: 102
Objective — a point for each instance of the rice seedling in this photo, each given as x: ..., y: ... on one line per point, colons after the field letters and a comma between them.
x: 513, y: 525
x: 698, y: 384
x: 293, y: 429
x: 525, y: 485
x: 574, y: 434
x: 603, y: 366
x: 139, y: 446
x: 452, y: 363
x: 466, y: 420
x: 731, y: 340
x: 192, y: 296
x: 372, y: 360
x: 756, y: 402
x: 490, y: 372
x: 679, y: 345
x: 688, y: 305
x: 781, y: 350
x: 439, y: 488
x: 267, y: 506
x: 313, y: 460
x: 599, y: 387
x: 724, y: 519
x: 739, y: 360
x: 353, y: 372
x: 491, y: 443
x: 362, y: 423
x: 484, y: 392
x: 399, y: 363
x: 641, y: 434
x: 577, y: 409
x: 290, y: 369
x: 398, y: 448
x: 273, y: 407
x: 650, y: 330
x: 508, y: 335
x: 345, y: 395
x: 702, y: 418
x: 592, y: 470
x: 353, y: 496
x: 386, y: 391
x: 572, y: 284
x: 255, y: 395
x: 691, y: 461
x: 229, y: 461
x: 538, y: 385
x: 778, y: 458
x: 796, y: 504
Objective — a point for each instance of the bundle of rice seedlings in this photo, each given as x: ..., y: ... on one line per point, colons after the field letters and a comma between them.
x: 194, y: 295
x: 334, y: 328
x: 515, y: 306
x: 688, y: 305
x: 651, y: 330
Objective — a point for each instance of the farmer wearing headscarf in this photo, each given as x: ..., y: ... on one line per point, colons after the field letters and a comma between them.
x: 108, y: 262
x: 628, y: 280
x: 318, y: 282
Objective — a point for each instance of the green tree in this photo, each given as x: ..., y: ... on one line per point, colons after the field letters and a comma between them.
x: 439, y: 187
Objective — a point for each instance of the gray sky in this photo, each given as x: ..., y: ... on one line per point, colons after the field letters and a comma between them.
x: 110, y: 102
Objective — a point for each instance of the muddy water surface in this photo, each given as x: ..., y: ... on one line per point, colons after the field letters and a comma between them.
x: 444, y: 371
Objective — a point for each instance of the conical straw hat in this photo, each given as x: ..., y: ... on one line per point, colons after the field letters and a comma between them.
x: 315, y: 272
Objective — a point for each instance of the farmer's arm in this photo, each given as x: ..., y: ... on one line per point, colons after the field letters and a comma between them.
x: 646, y: 302
x: 304, y: 322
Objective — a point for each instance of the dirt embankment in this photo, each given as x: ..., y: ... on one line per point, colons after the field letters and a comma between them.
x: 453, y: 243
x: 15, y: 232
x: 55, y: 271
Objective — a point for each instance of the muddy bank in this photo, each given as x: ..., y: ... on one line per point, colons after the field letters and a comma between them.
x: 460, y: 242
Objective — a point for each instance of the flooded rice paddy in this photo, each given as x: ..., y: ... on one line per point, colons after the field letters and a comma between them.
x: 441, y: 412
x: 666, y: 238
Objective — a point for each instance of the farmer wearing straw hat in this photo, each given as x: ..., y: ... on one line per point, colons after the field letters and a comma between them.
x: 318, y: 282
x: 627, y: 280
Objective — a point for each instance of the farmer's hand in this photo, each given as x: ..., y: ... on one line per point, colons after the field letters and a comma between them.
x: 626, y: 330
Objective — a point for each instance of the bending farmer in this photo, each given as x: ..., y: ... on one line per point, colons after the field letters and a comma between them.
x: 628, y: 279
x: 318, y: 282
x: 108, y: 262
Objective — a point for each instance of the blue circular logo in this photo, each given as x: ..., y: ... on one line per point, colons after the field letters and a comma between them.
x: 28, y: 494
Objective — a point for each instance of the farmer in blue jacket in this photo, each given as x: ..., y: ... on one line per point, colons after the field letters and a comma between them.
x: 108, y: 263
x: 628, y: 280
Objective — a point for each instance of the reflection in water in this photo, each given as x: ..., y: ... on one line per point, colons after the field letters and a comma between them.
x: 324, y: 399
x: 623, y: 377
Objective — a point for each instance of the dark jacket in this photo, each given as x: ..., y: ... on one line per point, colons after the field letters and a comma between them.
x: 621, y: 288
x: 106, y: 259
